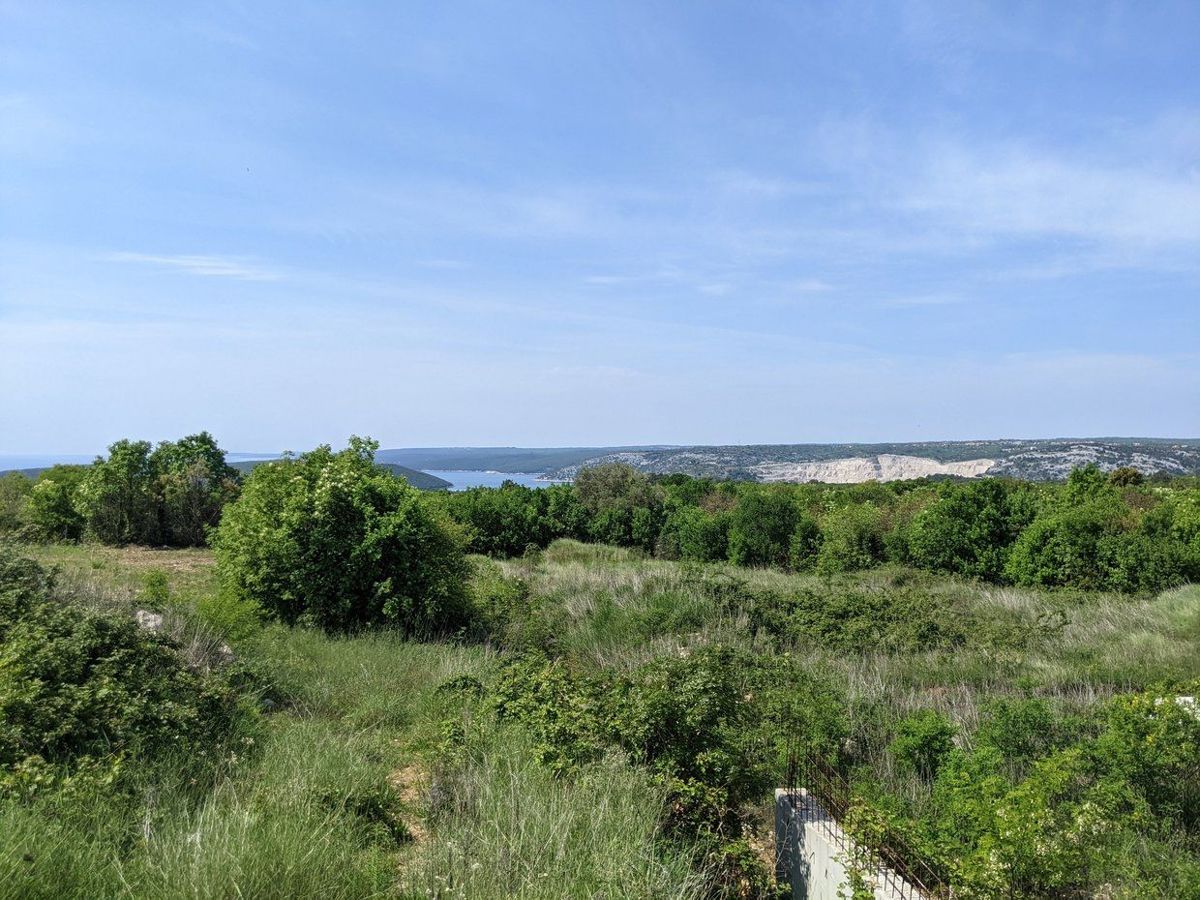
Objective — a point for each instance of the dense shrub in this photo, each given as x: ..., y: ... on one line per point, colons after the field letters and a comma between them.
x: 692, y: 533
x: 923, y: 741
x: 83, y: 693
x: 623, y: 505
x: 968, y: 531
x: 761, y: 528
x: 15, y: 489
x: 499, y: 522
x: 852, y: 539
x: 331, y: 539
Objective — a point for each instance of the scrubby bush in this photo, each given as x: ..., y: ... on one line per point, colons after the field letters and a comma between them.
x: 15, y: 489
x: 805, y: 546
x: 692, y: 533
x: 83, y: 694
x: 968, y: 531
x: 852, y: 539
x: 923, y: 741
x: 499, y: 522
x: 331, y: 539
x: 623, y: 505
x: 761, y: 528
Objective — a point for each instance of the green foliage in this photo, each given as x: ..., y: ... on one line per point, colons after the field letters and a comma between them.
x: 887, y: 619
x: 82, y: 693
x: 169, y: 495
x: 805, y: 546
x: 853, y: 539
x: 693, y: 533
x: 116, y: 496
x: 968, y: 531
x: 624, y: 506
x: 51, y: 510
x: 330, y: 539
x: 923, y: 741
x: 15, y: 489
x: 501, y: 522
x: 193, y: 485
x: 1094, y: 540
x: 761, y: 529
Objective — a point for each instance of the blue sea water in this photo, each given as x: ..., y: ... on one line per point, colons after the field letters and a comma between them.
x: 461, y: 479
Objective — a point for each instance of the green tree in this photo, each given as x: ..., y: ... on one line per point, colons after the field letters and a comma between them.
x: 852, y: 539
x: 623, y: 505
x: 52, y: 509
x: 15, y: 489
x: 116, y: 498
x: 330, y: 538
x: 500, y: 521
x: 968, y: 531
x: 761, y: 529
x: 805, y: 544
x: 193, y: 485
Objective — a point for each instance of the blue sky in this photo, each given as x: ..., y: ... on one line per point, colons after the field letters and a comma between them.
x: 545, y: 224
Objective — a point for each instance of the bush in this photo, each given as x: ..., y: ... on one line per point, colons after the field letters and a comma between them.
x: 968, y: 531
x: 81, y: 692
x: 852, y: 539
x: 333, y: 540
x: 624, y: 507
x: 15, y: 489
x: 760, y: 532
x: 923, y: 741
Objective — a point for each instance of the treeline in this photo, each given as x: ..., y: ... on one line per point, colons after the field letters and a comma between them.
x: 170, y: 494
x: 1098, y: 531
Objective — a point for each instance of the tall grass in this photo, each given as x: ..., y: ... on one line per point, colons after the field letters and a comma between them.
x: 504, y: 826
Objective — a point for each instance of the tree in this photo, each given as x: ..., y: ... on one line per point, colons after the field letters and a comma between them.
x: 623, y: 505
x: 52, y: 511
x: 15, y: 489
x: 499, y: 522
x: 760, y: 533
x: 968, y: 531
x: 193, y: 485
x: 331, y: 539
x: 851, y: 539
x: 116, y: 497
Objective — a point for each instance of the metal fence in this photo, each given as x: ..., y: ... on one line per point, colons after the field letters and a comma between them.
x: 891, y: 860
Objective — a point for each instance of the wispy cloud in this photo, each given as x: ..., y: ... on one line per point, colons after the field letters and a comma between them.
x: 237, y: 267
x: 1024, y: 192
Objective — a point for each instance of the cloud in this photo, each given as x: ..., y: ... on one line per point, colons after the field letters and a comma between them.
x: 1019, y: 192
x: 207, y: 266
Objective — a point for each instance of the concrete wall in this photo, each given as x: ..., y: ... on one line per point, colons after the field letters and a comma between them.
x: 810, y: 850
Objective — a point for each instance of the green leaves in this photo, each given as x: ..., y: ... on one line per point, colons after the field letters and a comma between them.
x: 331, y: 539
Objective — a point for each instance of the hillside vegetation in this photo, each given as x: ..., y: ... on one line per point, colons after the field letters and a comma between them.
x: 592, y: 690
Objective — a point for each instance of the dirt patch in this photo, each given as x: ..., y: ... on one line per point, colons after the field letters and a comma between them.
x: 410, y: 784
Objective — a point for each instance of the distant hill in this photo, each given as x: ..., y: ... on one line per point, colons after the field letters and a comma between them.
x: 422, y: 480
x: 1036, y: 460
x: 531, y: 460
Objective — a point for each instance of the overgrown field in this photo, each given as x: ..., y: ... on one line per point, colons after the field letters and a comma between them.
x: 613, y: 728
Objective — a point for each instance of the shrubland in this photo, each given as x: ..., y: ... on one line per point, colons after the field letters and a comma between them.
x: 470, y: 695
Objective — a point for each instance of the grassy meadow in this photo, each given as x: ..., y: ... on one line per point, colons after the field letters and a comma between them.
x: 373, y: 765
